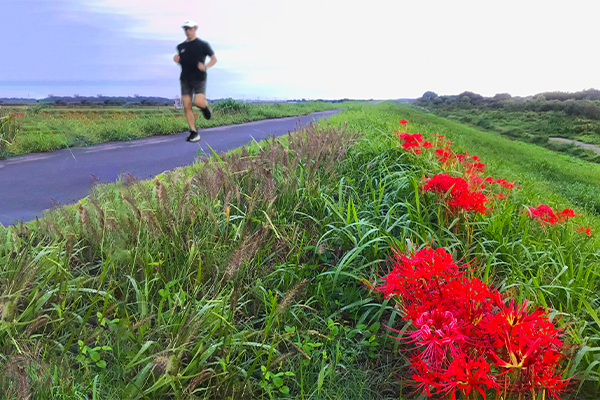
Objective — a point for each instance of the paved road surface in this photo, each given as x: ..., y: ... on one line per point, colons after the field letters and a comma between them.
x: 29, y: 183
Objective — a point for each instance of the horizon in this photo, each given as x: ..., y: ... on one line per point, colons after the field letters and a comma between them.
x: 264, y: 50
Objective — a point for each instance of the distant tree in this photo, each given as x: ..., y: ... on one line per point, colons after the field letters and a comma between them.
x: 501, y: 96
x: 428, y: 96
x: 474, y: 98
x: 60, y: 102
x: 465, y: 102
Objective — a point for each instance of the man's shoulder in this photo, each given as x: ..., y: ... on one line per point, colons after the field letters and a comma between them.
x: 202, y: 42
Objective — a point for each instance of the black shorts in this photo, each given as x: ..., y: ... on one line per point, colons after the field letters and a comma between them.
x: 189, y: 88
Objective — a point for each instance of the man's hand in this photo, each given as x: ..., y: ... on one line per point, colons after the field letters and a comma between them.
x: 201, y: 67
x: 176, y: 58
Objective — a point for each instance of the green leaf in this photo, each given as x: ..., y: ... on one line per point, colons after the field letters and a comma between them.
x: 101, y: 364
x: 277, y: 381
x: 284, y: 390
x: 321, y: 377
x: 94, y: 356
x: 591, y: 311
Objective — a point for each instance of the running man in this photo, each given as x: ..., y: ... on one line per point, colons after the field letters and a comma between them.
x: 191, y: 55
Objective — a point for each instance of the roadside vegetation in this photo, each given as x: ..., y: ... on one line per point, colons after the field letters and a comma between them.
x: 254, y: 274
x: 539, y: 119
x: 39, y: 129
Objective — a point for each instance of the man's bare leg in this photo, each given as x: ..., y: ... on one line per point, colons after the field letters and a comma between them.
x: 200, y: 102
x: 189, y: 114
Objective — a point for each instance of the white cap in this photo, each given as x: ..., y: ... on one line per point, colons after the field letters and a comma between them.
x: 189, y: 24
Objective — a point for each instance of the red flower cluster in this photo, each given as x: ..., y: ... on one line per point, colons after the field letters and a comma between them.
x: 411, y: 142
x: 455, y: 192
x: 545, y: 215
x: 458, y: 193
x: 464, y: 336
x: 17, y: 115
x: 587, y: 231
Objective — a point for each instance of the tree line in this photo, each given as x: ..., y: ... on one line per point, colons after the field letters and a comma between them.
x: 585, y: 103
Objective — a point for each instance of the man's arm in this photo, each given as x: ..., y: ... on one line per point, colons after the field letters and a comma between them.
x: 176, y: 56
x: 213, y: 61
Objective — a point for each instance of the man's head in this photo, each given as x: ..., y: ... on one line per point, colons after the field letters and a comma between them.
x: 190, y: 28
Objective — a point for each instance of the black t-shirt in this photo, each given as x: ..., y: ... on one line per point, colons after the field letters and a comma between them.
x: 190, y: 54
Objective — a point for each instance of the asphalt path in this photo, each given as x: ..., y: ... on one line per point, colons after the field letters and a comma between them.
x: 33, y: 183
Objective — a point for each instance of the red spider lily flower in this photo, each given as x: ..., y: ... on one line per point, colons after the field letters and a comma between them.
x: 459, y: 327
x: 568, y: 213
x: 551, y: 382
x: 544, y: 214
x: 427, y: 145
x: 411, y: 141
x: 425, y: 378
x: 438, y: 333
x: 505, y: 184
x: 475, y: 158
x: 470, y: 301
x: 468, y: 374
x: 403, y: 122
x: 410, y: 138
x: 412, y: 145
x: 456, y: 193
x: 444, y: 156
x: 524, y: 336
x: 414, y: 269
x: 195, y: 115
x: 22, y: 115
x: 587, y: 231
x: 474, y: 167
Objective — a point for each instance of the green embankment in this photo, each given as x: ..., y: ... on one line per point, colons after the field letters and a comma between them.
x: 242, y: 276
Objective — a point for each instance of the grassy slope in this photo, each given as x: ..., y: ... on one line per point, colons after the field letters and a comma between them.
x: 37, y: 132
x: 270, y: 284
x: 532, y: 127
x: 544, y: 175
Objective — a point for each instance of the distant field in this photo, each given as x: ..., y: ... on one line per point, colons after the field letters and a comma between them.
x: 32, y: 129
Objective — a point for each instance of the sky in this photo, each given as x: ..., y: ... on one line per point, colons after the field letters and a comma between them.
x: 290, y: 49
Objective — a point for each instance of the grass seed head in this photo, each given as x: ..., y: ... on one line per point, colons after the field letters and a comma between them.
x: 289, y: 297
